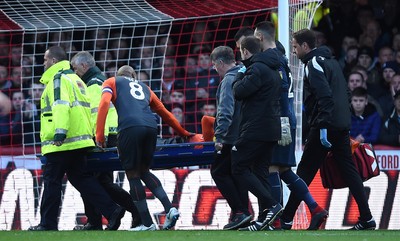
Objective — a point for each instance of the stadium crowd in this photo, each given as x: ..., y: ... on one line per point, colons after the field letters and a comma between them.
x: 368, y: 50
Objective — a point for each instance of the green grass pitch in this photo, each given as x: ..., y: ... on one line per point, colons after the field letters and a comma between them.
x: 202, y: 235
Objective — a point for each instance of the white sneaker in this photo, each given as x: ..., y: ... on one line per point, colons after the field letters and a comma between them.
x: 171, y: 218
x: 141, y: 227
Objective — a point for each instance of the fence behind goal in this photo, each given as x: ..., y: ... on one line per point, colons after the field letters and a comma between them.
x: 167, y: 42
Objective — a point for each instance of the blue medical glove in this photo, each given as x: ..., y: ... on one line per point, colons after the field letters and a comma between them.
x: 242, y: 70
x: 323, y: 136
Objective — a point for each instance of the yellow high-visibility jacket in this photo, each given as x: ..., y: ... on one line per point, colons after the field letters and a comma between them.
x: 65, y: 110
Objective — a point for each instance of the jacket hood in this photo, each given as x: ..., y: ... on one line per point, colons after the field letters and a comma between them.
x: 322, y: 51
x: 49, y: 74
x: 269, y: 57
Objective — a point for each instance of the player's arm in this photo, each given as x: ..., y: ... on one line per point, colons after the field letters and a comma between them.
x: 157, y: 106
x: 107, y: 93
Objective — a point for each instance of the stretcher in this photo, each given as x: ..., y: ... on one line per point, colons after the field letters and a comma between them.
x: 166, y: 156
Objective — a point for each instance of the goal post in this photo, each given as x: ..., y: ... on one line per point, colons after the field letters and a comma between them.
x: 163, y: 40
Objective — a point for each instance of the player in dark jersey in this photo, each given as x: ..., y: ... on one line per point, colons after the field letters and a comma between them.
x: 137, y: 136
x: 284, y: 153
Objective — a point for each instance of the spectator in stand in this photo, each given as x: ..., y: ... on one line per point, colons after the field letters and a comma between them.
x: 386, y: 89
x: 374, y: 32
x: 365, y: 120
x: 226, y: 132
x: 178, y: 101
x: 365, y: 14
x: 386, y: 101
x: 208, y: 79
x: 385, y: 54
x: 204, y: 108
x: 365, y: 59
x: 147, y: 58
x: 137, y: 136
x: 21, y: 112
x: 395, y: 84
x: 396, y: 42
x: 4, y: 51
x: 166, y: 46
x: 390, y: 130
x: 390, y: 20
x: 349, y: 40
x: 65, y: 142
x: 35, y: 92
x: 168, y: 80
x: 120, y: 47
x: 16, y: 55
x: 105, y: 59
x: 97, y: 39
x: 321, y: 38
x: 85, y: 67
x: 24, y: 120
x: 208, y: 109
x: 190, y: 79
x: 143, y: 76
x: 356, y: 79
x: 326, y: 88
x: 397, y: 57
x: 150, y: 37
x: 177, y: 95
x: 16, y: 77
x: 201, y: 33
x: 350, y: 59
x: 5, y: 109
x: 177, y: 112
x: 5, y: 82
x: 363, y: 71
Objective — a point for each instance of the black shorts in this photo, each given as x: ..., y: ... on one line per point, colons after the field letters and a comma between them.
x: 284, y: 156
x: 136, y: 146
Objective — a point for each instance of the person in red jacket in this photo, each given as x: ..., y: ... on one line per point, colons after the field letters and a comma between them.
x: 137, y: 136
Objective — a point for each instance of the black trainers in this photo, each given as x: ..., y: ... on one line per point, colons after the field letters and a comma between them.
x: 318, y: 217
x: 286, y: 225
x: 271, y: 215
x: 365, y: 225
x: 87, y: 227
x: 40, y: 228
x: 115, y: 219
x: 239, y: 220
x: 254, y: 226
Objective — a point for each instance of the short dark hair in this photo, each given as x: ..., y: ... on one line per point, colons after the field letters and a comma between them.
x: 252, y: 44
x: 223, y: 53
x: 358, y: 73
x: 305, y: 36
x: 267, y: 29
x: 360, y: 92
x: 57, y: 52
x: 245, y: 31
